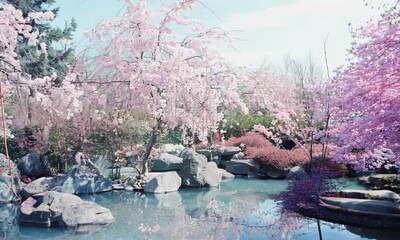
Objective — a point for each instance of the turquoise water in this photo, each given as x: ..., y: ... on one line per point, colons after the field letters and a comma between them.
x: 239, y: 209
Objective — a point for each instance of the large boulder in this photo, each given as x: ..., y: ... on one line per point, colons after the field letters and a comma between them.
x: 166, y: 162
x: 228, y: 151
x: 242, y: 167
x: 63, y: 210
x: 38, y: 186
x: 365, y: 205
x: 371, y: 194
x: 31, y: 166
x: 225, y: 175
x: 274, y: 172
x: 197, y: 172
x: 103, y: 164
x: 297, y: 173
x: 10, y: 185
x: 164, y: 183
x: 172, y: 148
x: 82, y: 180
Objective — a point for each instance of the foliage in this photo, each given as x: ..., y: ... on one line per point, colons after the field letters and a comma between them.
x: 305, y: 192
x: 236, y: 124
x: 53, y: 52
x: 116, y: 130
x: 367, y: 104
x: 180, y: 81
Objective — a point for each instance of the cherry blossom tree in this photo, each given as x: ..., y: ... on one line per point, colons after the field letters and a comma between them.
x: 182, y: 81
x: 52, y: 102
x: 367, y: 116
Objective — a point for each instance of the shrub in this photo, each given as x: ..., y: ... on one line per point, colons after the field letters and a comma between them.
x: 258, y: 147
x: 237, y: 124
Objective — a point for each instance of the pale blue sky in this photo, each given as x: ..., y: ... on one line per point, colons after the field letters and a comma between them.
x: 265, y: 30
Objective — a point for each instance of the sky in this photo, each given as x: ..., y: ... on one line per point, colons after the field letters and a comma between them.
x: 264, y: 31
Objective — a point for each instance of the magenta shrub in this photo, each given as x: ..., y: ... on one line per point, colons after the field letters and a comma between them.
x: 258, y: 147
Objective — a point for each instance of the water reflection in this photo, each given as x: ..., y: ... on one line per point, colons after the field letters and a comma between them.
x: 240, y: 209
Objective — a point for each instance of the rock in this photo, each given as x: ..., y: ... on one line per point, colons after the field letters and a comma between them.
x: 225, y: 175
x: 371, y: 194
x: 167, y: 162
x: 128, y: 172
x: 380, y: 179
x: 103, y: 164
x: 217, y: 160
x: 118, y: 187
x: 297, y: 173
x: 238, y: 156
x: 208, y: 153
x: 172, y: 148
x: 275, y: 173
x: 80, y: 180
x: 86, y: 213
x: 228, y: 151
x: 242, y: 167
x: 31, y: 166
x: 129, y: 189
x: 197, y: 172
x: 364, y: 180
x: 10, y: 187
x: 164, y: 183
x: 366, y: 205
x: 9, y: 228
x: 38, y: 186
x: 63, y: 210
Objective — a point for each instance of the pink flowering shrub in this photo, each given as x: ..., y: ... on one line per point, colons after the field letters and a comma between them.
x: 305, y: 192
x: 258, y: 147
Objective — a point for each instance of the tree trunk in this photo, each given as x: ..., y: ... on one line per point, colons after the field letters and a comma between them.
x: 149, y: 147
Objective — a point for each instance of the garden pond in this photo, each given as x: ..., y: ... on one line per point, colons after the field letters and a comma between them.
x: 239, y: 209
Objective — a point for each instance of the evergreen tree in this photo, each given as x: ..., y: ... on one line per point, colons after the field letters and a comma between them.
x: 57, y: 55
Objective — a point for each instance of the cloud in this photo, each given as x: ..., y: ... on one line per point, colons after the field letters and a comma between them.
x: 298, y: 10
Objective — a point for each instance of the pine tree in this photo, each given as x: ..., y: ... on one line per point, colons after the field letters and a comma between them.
x: 58, y: 55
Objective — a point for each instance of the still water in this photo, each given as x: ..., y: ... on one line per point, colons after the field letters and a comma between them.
x: 239, y: 209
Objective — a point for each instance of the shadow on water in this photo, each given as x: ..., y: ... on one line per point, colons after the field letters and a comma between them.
x: 240, y: 209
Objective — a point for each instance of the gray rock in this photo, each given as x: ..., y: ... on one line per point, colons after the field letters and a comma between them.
x: 197, y: 172
x: 166, y: 182
x: 172, y: 148
x: 297, y: 173
x: 364, y: 180
x: 228, y: 150
x: 167, y: 162
x: 371, y: 194
x: 63, y: 210
x: 9, y: 221
x: 377, y: 179
x: 225, y: 175
x: 38, y: 186
x: 31, y: 166
x: 118, y: 187
x: 277, y: 173
x: 80, y: 180
x: 103, y: 164
x: 86, y: 213
x: 10, y: 187
x: 128, y: 172
x: 129, y: 189
x: 208, y: 153
x: 238, y: 156
x: 242, y: 167
x: 366, y: 205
